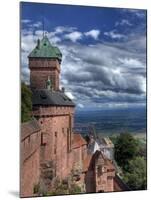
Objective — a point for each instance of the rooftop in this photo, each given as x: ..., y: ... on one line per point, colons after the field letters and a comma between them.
x: 44, y: 49
x: 119, y: 185
x: 104, y: 142
x: 52, y: 98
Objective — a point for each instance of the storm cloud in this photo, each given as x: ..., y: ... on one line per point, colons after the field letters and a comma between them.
x: 101, y: 73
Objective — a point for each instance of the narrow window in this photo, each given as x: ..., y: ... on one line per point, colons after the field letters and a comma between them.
x: 62, y: 130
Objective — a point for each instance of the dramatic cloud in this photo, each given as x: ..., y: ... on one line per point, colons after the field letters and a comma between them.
x: 114, y: 35
x: 106, y: 73
x: 62, y: 29
x: 93, y: 33
x: 74, y: 36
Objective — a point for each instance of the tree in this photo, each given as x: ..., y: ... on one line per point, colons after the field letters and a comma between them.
x: 126, y: 148
x: 26, y: 103
x: 142, y: 149
x: 135, y: 176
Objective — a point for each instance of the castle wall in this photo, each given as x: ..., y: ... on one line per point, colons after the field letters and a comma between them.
x: 30, y: 163
x: 105, y: 173
x: 50, y: 111
x: 77, y: 161
x: 79, y: 155
x: 56, y: 124
x: 84, y: 152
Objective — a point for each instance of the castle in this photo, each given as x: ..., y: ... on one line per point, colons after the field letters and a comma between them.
x: 50, y: 150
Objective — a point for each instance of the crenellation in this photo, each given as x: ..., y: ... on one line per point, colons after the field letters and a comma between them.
x: 52, y: 111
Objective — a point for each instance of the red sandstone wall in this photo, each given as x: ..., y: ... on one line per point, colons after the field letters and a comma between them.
x: 43, y: 62
x: 104, y: 179
x: 30, y: 163
x: 50, y: 111
x: 79, y: 155
x: 101, y: 182
x: 77, y: 158
x: 30, y: 174
x: 110, y: 184
x: 84, y: 152
x: 56, y: 123
x: 40, y: 82
x: 40, y: 69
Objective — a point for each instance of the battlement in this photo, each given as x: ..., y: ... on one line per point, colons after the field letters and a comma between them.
x: 49, y: 111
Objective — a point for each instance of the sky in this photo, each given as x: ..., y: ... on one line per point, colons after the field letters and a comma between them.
x: 104, y: 51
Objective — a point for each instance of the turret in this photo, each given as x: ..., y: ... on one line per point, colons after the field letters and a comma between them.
x: 44, y: 62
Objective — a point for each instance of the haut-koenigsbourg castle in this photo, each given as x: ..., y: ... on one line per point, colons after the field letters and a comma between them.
x: 51, y: 152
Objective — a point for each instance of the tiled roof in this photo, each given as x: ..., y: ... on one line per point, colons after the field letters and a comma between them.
x: 45, y: 50
x: 29, y: 128
x: 119, y: 185
x: 53, y: 98
x: 78, y: 141
x: 104, y: 142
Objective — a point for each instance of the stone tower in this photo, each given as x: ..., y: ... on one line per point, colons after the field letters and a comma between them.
x: 53, y: 110
x: 44, y: 62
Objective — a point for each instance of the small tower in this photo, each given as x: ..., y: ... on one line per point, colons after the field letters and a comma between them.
x: 44, y: 62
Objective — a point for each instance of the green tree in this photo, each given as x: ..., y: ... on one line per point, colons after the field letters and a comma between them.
x: 142, y: 149
x: 135, y: 176
x: 26, y: 103
x: 126, y: 148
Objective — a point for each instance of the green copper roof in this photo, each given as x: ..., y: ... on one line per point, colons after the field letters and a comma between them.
x: 45, y: 50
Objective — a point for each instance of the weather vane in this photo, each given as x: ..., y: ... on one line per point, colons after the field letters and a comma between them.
x: 43, y: 27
